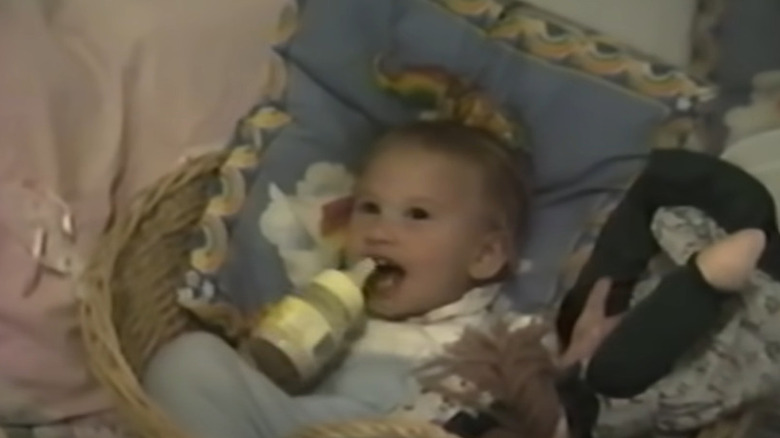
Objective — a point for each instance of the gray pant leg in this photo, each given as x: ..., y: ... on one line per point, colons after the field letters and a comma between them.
x: 207, y: 388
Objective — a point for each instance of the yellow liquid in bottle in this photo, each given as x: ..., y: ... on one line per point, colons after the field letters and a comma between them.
x: 305, y: 331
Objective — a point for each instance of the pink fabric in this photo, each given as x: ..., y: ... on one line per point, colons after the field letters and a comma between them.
x: 97, y: 99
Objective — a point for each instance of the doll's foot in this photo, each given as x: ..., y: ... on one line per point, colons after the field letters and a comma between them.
x: 726, y: 265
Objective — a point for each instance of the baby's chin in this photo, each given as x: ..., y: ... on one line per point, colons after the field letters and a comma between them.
x: 389, y: 310
x: 384, y: 310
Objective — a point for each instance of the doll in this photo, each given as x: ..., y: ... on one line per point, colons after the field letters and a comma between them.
x: 537, y: 393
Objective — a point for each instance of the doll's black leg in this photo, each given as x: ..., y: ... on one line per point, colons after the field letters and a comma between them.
x: 656, y: 333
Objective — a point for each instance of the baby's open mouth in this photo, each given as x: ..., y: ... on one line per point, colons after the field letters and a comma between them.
x: 386, y: 276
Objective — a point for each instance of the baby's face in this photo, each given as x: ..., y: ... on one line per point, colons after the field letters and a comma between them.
x: 422, y: 214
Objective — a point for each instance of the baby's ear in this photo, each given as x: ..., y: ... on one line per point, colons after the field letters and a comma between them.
x: 492, y: 256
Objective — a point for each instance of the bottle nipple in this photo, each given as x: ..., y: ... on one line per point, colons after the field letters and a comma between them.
x: 360, y: 271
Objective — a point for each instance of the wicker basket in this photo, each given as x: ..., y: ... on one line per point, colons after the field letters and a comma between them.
x: 129, y: 306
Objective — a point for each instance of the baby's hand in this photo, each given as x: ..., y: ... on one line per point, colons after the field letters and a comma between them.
x: 726, y: 265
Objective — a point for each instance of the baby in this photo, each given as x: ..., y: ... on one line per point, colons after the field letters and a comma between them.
x: 441, y: 206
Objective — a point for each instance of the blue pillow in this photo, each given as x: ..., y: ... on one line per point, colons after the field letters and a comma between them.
x: 593, y: 111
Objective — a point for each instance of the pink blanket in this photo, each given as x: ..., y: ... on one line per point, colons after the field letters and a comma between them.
x: 97, y: 99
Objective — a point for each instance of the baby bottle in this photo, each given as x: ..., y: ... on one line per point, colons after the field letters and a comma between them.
x: 295, y: 338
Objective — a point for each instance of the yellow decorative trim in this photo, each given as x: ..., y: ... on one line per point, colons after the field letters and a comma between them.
x: 672, y: 84
x: 599, y: 62
x: 276, y: 77
x: 565, y: 45
x: 210, y: 256
x: 243, y: 157
x: 474, y: 8
x: 232, y: 195
x: 288, y: 22
x: 239, y: 169
x: 268, y: 118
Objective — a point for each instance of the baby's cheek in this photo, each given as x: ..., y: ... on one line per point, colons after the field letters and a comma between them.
x: 442, y: 249
x: 352, y: 248
x: 349, y: 253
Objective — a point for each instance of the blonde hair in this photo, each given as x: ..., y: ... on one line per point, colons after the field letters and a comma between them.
x: 505, y: 170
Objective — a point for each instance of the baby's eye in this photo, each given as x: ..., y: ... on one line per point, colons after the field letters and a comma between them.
x: 367, y: 207
x: 418, y: 214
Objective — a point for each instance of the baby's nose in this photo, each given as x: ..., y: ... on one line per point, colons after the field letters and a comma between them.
x: 381, y: 232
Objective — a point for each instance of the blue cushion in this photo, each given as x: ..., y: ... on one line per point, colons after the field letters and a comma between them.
x: 593, y: 111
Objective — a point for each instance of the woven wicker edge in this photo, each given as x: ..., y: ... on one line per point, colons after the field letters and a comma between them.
x: 106, y: 359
